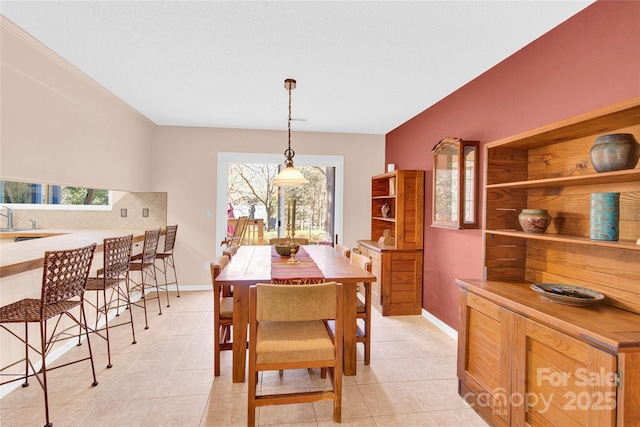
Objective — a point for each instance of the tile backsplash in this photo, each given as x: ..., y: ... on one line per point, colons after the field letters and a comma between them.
x: 133, y: 203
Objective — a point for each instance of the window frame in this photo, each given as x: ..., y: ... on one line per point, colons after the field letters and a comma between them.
x: 226, y: 158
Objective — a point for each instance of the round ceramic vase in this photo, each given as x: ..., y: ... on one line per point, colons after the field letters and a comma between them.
x: 534, y: 220
x: 614, y: 152
x: 605, y: 216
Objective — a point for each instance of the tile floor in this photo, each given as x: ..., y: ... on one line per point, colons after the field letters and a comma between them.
x: 166, y: 379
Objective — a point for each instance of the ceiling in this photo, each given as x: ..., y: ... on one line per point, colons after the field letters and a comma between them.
x: 361, y: 66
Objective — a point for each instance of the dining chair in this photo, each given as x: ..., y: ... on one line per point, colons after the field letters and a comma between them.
x: 222, y: 312
x: 363, y: 307
x: 288, y: 330
x: 236, y: 238
x: 298, y: 240
x: 64, y: 279
x: 344, y: 250
x: 168, y: 261
x: 111, y: 298
x: 144, y: 263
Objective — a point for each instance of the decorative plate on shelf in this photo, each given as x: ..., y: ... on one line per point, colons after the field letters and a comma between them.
x: 567, y: 294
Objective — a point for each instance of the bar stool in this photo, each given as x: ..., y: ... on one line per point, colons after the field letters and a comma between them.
x: 166, y: 256
x: 144, y: 262
x: 63, y: 283
x: 115, y: 270
x: 222, y: 312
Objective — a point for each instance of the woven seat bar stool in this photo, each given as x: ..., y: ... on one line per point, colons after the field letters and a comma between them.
x: 144, y: 263
x: 168, y: 262
x: 64, y: 279
x: 111, y: 298
x: 222, y: 312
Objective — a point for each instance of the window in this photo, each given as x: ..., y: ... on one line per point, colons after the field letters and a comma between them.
x: 245, y: 188
x: 33, y: 195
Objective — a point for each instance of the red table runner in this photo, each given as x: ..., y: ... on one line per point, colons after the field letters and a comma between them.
x: 305, y: 272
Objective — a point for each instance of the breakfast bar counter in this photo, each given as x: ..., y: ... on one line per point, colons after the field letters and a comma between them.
x: 21, y: 257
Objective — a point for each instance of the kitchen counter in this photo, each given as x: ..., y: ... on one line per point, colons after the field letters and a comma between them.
x: 20, y: 257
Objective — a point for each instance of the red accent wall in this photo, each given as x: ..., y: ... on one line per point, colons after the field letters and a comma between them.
x: 589, y: 61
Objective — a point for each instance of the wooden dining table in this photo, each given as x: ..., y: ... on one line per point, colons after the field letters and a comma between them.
x: 252, y: 264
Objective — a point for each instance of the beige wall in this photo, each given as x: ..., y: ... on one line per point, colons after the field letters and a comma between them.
x: 185, y: 166
x: 134, y: 203
x: 58, y: 126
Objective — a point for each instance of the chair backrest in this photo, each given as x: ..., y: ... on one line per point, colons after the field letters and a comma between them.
x: 238, y: 232
x: 216, y: 265
x: 65, y: 274
x: 150, y: 247
x: 361, y: 261
x: 344, y: 250
x: 170, y: 238
x: 285, y: 303
x: 298, y: 240
x: 117, y: 252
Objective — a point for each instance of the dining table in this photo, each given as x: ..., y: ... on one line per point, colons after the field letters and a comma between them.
x: 253, y: 264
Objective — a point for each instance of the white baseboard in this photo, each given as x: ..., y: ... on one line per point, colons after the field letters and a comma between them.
x: 440, y: 324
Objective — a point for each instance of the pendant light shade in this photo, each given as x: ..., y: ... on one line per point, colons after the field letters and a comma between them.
x: 289, y: 176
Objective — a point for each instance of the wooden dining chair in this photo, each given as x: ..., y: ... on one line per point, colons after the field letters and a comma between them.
x: 288, y: 330
x: 363, y: 307
x: 222, y: 312
x: 344, y: 250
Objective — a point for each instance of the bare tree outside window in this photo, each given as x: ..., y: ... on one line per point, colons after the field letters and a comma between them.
x: 251, y: 192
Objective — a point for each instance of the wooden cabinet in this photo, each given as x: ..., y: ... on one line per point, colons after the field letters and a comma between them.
x: 524, y: 360
x: 398, y: 265
x: 398, y: 289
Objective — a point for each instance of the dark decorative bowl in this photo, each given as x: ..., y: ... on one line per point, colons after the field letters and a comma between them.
x: 617, y: 151
x: 284, y: 249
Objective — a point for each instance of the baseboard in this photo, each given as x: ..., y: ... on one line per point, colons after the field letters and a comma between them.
x: 440, y: 324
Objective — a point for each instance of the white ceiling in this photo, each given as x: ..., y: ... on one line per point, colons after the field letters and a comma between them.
x: 361, y: 66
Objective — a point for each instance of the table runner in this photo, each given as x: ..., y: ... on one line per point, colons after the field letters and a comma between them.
x: 305, y: 272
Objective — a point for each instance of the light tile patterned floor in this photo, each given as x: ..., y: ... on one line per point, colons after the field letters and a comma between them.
x: 166, y: 379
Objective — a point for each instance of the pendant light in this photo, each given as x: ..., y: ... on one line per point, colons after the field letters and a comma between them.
x: 289, y: 176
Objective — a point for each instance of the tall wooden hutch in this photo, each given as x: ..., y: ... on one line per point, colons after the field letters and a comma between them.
x: 527, y: 361
x: 397, y: 265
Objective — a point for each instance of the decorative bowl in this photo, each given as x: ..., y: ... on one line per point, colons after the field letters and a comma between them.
x: 614, y: 152
x: 567, y: 294
x: 284, y: 249
x: 534, y: 220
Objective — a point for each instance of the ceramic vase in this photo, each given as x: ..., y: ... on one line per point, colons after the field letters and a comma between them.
x: 386, y: 210
x: 614, y: 152
x: 605, y: 216
x: 534, y: 220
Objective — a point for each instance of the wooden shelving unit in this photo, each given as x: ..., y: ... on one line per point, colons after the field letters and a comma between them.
x: 397, y: 266
x: 508, y: 333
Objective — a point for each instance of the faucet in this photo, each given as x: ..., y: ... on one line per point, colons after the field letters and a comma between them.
x: 9, y: 216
